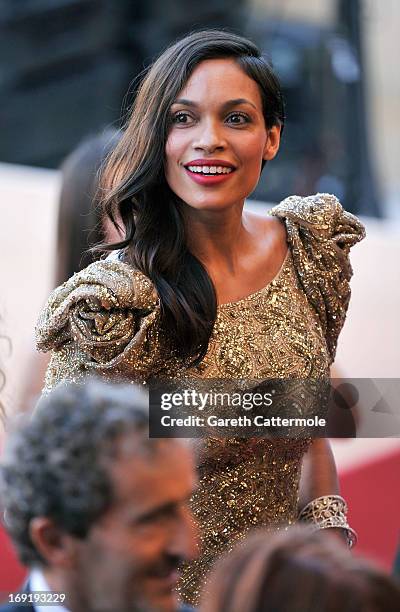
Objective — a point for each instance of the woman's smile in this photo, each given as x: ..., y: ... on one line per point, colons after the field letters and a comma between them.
x: 217, y: 138
x: 209, y: 171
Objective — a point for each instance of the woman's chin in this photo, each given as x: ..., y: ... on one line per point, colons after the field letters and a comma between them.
x: 214, y: 204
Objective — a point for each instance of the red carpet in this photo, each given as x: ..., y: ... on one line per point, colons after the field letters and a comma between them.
x: 373, y: 494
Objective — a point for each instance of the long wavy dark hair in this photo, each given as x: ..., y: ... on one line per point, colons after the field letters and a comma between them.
x: 136, y: 191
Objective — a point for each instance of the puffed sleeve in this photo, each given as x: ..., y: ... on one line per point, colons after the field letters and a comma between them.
x: 320, y: 234
x: 103, y: 320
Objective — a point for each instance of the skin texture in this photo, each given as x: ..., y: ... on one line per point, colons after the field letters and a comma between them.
x: 210, y: 125
x: 129, y: 559
x: 241, y: 251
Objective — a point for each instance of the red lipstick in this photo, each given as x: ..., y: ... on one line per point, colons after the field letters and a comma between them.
x: 211, y: 176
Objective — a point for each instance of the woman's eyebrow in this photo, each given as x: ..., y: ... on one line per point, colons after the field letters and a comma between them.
x: 184, y: 102
x: 227, y: 104
x: 237, y: 102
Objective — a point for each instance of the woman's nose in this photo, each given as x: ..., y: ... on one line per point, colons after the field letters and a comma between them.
x: 210, y: 136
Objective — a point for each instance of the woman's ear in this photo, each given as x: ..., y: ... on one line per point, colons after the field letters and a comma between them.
x: 272, y: 144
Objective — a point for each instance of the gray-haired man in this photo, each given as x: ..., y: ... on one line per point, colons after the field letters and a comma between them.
x: 96, y: 509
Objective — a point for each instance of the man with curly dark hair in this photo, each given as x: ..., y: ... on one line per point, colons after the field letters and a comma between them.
x: 97, y: 510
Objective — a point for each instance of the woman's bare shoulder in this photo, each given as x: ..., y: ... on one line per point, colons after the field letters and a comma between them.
x: 269, y: 231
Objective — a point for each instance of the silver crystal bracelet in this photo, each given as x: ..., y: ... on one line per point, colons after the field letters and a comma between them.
x: 327, y: 512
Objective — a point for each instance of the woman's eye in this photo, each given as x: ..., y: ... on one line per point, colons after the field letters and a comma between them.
x: 182, y: 118
x: 238, y: 118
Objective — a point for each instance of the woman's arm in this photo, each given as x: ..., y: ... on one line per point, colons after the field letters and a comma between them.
x: 318, y: 479
x: 318, y: 473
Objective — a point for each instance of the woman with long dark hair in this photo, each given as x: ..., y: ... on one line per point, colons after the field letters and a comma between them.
x: 201, y: 288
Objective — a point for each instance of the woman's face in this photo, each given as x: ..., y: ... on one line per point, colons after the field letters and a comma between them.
x: 218, y: 137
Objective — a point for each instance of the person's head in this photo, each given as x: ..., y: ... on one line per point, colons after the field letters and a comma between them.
x: 80, y: 222
x: 302, y: 570
x: 211, y: 98
x: 95, y: 503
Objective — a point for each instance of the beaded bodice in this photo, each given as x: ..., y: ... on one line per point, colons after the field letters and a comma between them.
x: 106, y: 319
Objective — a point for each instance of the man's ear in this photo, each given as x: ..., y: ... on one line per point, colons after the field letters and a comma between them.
x: 273, y: 141
x: 55, y: 546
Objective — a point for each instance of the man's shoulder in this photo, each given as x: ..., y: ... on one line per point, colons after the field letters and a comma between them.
x: 30, y: 608
x: 19, y: 607
x: 11, y: 607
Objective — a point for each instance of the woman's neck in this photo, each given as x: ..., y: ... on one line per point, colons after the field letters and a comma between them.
x: 217, y: 238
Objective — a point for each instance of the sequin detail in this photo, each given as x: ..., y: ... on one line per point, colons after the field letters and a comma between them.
x: 106, y: 319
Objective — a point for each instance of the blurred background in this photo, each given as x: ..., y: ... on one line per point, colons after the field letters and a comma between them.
x: 67, y: 65
x: 67, y: 72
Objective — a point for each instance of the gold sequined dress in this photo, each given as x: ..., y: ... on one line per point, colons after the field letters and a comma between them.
x: 105, y: 320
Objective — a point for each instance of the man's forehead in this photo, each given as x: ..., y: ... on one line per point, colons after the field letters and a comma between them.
x: 167, y: 463
x: 143, y: 485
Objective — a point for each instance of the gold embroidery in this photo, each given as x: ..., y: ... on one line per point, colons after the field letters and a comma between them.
x: 106, y: 320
